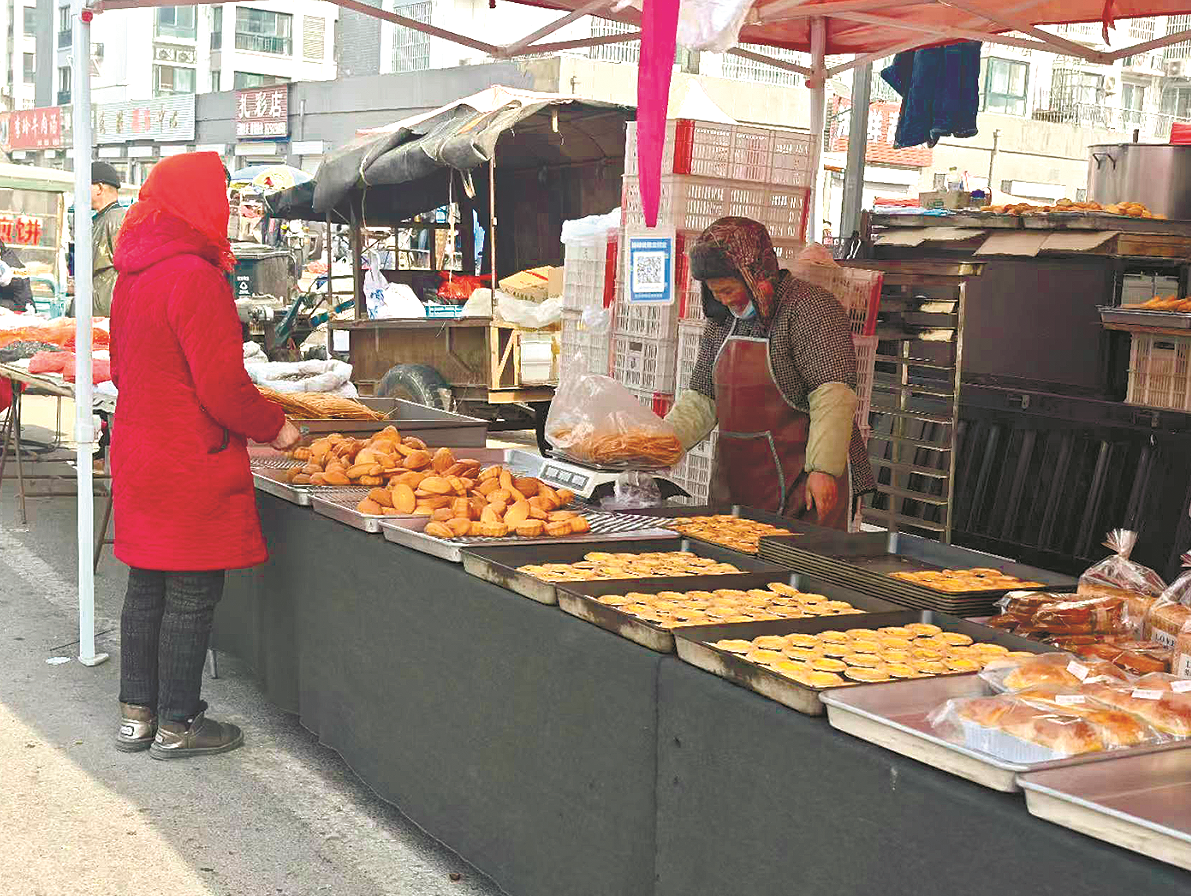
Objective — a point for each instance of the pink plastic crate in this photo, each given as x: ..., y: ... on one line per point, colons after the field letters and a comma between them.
x: 730, y: 152
x: 693, y: 203
x: 643, y: 364
x: 857, y: 290
x: 866, y: 359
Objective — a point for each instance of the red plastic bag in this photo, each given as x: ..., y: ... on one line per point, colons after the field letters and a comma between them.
x: 457, y: 288
x: 1180, y: 133
x: 51, y: 362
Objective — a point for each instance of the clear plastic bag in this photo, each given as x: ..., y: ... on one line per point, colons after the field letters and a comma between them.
x: 1060, y: 669
x: 595, y: 420
x: 1171, y: 613
x: 1117, y: 574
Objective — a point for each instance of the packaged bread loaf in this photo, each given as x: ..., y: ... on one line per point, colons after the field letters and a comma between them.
x: 1171, y: 613
x: 1019, y: 673
x: 1118, y: 576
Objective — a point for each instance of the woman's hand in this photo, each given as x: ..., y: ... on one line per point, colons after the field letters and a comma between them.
x: 822, y: 494
x: 287, y: 438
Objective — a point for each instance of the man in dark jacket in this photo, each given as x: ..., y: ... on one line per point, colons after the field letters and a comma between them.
x: 109, y: 216
x: 15, y: 292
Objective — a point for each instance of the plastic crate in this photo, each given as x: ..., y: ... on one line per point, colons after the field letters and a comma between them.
x: 643, y: 364
x: 690, y: 332
x: 856, y: 289
x: 658, y: 402
x: 449, y: 312
x: 693, y: 472
x: 690, y: 291
x: 1160, y: 372
x: 866, y: 361
x: 585, y: 283
x: 584, y: 348
x: 694, y: 203
x: 730, y: 152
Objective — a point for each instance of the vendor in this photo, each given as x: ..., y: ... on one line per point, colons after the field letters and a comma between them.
x: 15, y: 292
x: 777, y: 372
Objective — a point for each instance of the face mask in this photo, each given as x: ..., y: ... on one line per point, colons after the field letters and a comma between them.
x: 748, y: 314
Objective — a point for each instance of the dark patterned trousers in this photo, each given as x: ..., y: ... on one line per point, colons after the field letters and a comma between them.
x: 164, y: 631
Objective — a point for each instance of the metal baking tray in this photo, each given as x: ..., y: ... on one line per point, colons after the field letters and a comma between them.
x: 278, y: 488
x: 605, y: 527
x: 695, y: 646
x: 1138, y: 802
x: 579, y: 600
x: 895, y: 717
x: 748, y: 513
x: 864, y: 560
x: 431, y: 425
x: 1141, y: 317
x: 498, y: 564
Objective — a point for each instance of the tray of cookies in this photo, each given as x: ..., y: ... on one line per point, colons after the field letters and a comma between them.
x: 536, y: 570
x: 794, y: 661
x: 421, y: 534
x: 736, y: 527
x: 910, y: 570
x: 650, y: 612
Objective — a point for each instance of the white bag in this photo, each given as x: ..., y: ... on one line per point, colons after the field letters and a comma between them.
x: 329, y: 377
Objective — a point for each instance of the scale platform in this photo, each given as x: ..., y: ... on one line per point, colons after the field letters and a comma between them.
x: 591, y: 483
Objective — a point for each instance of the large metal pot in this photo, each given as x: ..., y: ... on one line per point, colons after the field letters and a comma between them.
x: 1157, y: 175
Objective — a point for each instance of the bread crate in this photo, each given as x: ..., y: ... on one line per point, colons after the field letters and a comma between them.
x: 1160, y: 371
x: 866, y: 362
x: 856, y: 289
x: 646, y: 365
x: 583, y: 346
x: 730, y: 152
x: 694, y: 203
x: 658, y: 402
x: 690, y: 332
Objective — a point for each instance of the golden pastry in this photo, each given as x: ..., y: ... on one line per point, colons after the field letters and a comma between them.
x: 734, y: 646
x: 867, y: 675
x: 827, y: 664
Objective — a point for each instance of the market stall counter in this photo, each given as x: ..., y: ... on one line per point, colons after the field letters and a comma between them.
x: 560, y: 758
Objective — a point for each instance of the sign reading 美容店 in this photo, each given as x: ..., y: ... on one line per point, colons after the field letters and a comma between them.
x: 262, y: 113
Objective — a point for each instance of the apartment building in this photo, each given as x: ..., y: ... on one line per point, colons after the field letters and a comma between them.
x: 18, y: 24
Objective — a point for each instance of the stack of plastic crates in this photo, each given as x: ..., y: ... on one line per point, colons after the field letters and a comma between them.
x: 858, y: 290
x: 693, y: 472
x: 658, y: 402
x: 866, y: 361
x: 689, y: 334
x: 589, y: 273
x: 1160, y: 371
x: 644, y: 364
x: 584, y: 345
x: 694, y: 203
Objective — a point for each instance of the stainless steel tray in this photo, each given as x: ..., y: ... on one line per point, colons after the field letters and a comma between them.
x: 431, y: 425
x: 1140, y: 317
x: 738, y: 510
x: 696, y: 646
x: 579, y: 600
x: 895, y: 717
x: 1139, y: 802
x: 279, y: 489
x: 498, y: 564
x: 605, y: 527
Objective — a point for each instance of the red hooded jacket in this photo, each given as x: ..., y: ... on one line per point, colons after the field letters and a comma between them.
x: 183, y: 493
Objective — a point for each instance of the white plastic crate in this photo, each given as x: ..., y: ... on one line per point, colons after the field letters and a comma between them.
x: 866, y: 360
x: 585, y: 281
x: 644, y: 364
x: 694, y: 203
x: 690, y: 290
x: 730, y: 152
x: 856, y: 289
x: 1160, y: 372
x: 580, y: 341
x: 689, y: 334
x: 693, y: 472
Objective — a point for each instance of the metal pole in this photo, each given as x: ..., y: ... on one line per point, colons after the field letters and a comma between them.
x: 857, y: 151
x: 84, y: 427
x: 818, y: 87
x: 992, y: 159
x: 330, y: 291
x: 492, y: 221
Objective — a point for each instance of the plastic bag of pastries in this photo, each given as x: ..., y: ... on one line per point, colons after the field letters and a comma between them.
x: 1118, y: 576
x: 1180, y: 659
x: 1016, y: 673
x: 1084, y: 615
x: 1160, y: 700
x: 1171, y: 613
x: 1135, y: 657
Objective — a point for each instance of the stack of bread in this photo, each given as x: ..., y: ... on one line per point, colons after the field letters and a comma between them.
x: 1169, y: 621
x: 1057, y: 705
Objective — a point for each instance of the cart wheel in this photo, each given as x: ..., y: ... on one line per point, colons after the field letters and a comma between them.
x: 419, y: 383
x: 541, y: 409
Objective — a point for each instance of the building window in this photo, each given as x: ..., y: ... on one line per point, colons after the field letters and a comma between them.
x: 262, y: 31
x: 629, y: 51
x: 1176, y: 101
x: 1133, y: 97
x: 244, y: 80
x: 29, y: 67
x: 217, y: 28
x: 215, y: 77
x: 314, y: 38
x: 1142, y: 30
x: 30, y: 23
x: 169, y: 80
x: 65, y: 27
x: 63, y: 85
x: 411, y: 48
x: 1003, y: 84
x: 740, y: 69
x: 178, y: 22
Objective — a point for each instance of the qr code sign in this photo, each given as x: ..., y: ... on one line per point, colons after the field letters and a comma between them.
x: 649, y: 272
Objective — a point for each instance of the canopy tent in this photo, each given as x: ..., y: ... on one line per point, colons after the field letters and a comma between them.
x: 871, y: 29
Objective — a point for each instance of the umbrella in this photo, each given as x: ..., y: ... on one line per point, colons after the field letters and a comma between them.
x: 269, y: 178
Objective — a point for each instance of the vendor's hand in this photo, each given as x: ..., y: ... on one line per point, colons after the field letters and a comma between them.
x: 822, y: 494
x: 287, y: 438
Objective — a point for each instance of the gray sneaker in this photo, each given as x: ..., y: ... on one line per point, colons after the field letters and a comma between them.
x: 138, y: 725
x: 202, y: 737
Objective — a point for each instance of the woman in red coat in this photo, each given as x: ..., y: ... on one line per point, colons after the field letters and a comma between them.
x: 184, y: 504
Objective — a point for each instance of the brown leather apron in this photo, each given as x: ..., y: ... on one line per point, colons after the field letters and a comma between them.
x: 761, y: 455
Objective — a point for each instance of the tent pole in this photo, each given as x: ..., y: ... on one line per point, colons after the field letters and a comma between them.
x: 857, y: 151
x: 492, y: 222
x: 818, y: 88
x: 84, y: 426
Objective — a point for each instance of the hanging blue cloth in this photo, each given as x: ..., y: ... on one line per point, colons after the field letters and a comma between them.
x: 940, y: 91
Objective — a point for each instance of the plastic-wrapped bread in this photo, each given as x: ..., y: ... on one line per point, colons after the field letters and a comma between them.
x: 1119, y: 576
x: 1165, y: 711
x: 1018, y: 673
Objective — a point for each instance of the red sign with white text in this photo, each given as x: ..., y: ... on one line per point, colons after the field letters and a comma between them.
x: 35, y: 128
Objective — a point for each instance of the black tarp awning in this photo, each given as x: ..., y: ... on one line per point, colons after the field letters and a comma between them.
x: 390, y: 174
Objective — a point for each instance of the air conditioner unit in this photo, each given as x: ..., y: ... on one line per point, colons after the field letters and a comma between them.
x: 1178, y: 68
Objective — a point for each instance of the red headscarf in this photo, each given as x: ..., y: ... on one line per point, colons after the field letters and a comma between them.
x: 193, y: 188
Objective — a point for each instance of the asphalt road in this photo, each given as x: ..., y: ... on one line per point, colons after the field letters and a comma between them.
x: 283, y: 815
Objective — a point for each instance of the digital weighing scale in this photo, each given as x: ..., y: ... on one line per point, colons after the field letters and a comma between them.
x: 590, y: 483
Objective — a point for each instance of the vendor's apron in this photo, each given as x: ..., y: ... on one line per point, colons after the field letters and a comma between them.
x: 761, y: 457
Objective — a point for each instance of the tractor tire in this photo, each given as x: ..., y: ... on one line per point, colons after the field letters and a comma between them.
x: 419, y: 383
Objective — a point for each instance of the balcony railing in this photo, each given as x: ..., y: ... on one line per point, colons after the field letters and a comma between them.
x: 1154, y: 125
x: 264, y: 43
